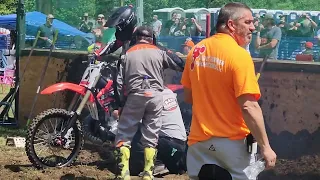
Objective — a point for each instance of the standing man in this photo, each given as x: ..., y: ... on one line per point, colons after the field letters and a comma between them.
x: 268, y: 40
x: 100, y: 21
x: 156, y: 26
x: 47, y: 32
x: 141, y: 72
x: 225, y: 110
x: 84, y: 25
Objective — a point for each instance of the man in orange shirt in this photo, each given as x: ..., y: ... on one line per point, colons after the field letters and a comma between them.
x: 220, y: 82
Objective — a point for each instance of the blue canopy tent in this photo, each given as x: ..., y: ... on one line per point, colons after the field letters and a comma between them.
x: 8, y: 21
x: 35, y: 19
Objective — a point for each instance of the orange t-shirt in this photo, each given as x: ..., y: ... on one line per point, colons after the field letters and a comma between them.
x: 218, y: 71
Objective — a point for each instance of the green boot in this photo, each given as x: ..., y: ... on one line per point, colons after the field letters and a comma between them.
x: 122, y: 157
x: 149, y: 158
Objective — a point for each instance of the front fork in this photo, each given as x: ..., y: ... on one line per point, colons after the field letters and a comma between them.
x: 77, y: 113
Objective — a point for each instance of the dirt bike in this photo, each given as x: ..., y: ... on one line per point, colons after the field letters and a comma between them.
x: 95, y: 91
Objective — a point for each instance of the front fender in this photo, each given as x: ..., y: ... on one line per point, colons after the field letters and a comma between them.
x: 174, y: 87
x: 66, y: 86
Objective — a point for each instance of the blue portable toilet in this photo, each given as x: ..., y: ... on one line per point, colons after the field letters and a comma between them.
x: 254, y: 12
x: 166, y: 13
x: 277, y: 14
x: 293, y: 16
x: 262, y: 11
x: 303, y: 12
x: 214, y: 16
x: 308, y: 13
x: 315, y: 16
x: 259, y: 11
x: 200, y: 14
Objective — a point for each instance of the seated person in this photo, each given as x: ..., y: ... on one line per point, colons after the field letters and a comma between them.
x: 187, y: 46
x: 305, y: 48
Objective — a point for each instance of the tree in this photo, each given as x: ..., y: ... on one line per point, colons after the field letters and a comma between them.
x: 8, y: 7
x: 30, y: 5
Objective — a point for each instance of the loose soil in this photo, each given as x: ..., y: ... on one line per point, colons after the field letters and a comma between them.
x: 95, y: 162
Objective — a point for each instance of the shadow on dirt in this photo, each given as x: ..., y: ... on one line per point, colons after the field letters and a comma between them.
x: 17, y: 168
x: 101, y: 156
x: 73, y: 177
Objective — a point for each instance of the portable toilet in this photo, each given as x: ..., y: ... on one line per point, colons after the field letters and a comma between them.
x: 259, y: 11
x: 299, y: 13
x: 315, y: 16
x: 200, y: 14
x: 286, y: 14
x: 293, y: 16
x: 277, y: 14
x: 308, y: 13
x: 165, y: 14
x: 214, y: 16
x: 254, y: 12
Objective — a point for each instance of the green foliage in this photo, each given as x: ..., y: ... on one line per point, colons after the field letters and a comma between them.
x: 30, y: 5
x: 7, y: 7
x: 70, y: 11
x: 73, y: 10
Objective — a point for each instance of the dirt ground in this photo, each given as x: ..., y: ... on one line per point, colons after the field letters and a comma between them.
x: 94, y: 162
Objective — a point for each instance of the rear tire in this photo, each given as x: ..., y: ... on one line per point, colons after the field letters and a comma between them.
x: 93, y: 137
x: 33, y: 128
x: 94, y: 134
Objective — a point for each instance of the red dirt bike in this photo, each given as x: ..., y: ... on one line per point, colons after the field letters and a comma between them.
x: 65, y: 134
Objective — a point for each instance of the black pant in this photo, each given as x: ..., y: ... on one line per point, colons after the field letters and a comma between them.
x: 171, y: 152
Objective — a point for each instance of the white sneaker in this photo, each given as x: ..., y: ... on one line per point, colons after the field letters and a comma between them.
x: 160, y: 169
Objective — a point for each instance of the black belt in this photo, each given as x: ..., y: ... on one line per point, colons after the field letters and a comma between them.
x: 174, y: 140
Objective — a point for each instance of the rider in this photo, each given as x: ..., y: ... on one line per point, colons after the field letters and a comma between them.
x: 125, y: 21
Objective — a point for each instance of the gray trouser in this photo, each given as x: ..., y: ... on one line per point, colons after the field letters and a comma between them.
x: 229, y: 154
x: 146, y: 105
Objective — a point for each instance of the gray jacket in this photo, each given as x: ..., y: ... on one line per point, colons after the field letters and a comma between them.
x: 148, y: 60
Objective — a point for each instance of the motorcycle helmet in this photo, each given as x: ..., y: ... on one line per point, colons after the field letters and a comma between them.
x: 122, y: 18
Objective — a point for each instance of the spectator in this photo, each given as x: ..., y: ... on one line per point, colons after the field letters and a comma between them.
x: 177, y: 29
x: 293, y: 30
x: 47, y: 33
x: 193, y: 27
x: 84, y: 25
x: 186, y: 47
x: 306, y: 48
x: 170, y: 22
x: 308, y: 26
x: 282, y: 18
x: 268, y: 40
x: 101, y: 21
x: 284, y: 28
x: 156, y: 26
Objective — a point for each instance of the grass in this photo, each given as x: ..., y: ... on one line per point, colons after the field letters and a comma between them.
x: 10, y: 132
